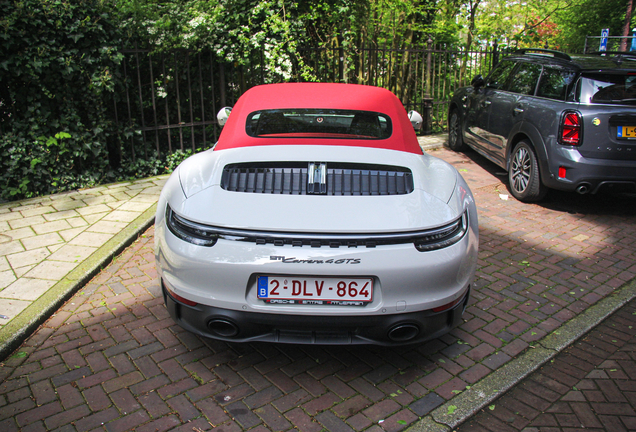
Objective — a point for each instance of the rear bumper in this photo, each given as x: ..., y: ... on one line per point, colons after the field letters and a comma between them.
x: 239, y: 326
x: 587, y: 175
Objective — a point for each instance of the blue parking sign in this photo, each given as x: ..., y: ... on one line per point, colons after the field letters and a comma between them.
x: 604, y: 35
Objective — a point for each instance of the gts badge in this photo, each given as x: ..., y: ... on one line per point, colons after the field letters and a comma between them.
x: 293, y: 260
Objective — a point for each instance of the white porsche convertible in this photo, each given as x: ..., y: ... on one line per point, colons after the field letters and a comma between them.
x: 317, y: 219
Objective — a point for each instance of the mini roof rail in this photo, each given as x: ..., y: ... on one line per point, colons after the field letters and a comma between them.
x: 556, y: 54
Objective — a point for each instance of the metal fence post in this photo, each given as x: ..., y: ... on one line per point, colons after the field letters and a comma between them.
x: 427, y: 100
x: 340, y: 60
x: 222, y: 83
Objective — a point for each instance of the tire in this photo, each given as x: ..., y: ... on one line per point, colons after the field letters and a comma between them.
x: 455, y: 139
x: 523, y: 176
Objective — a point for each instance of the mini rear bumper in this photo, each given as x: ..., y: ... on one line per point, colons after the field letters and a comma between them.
x: 239, y: 326
x: 588, y: 175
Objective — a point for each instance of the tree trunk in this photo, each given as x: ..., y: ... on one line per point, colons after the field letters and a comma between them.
x: 626, y: 26
x: 469, y: 40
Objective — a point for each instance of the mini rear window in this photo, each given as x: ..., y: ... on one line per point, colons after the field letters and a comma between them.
x: 614, y: 88
x: 318, y: 123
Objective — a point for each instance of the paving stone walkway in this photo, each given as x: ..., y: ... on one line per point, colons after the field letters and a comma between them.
x: 112, y: 359
x: 43, y: 240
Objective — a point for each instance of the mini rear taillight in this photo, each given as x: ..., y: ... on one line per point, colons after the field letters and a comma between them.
x: 571, y: 129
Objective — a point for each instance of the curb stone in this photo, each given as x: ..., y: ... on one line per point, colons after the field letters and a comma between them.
x: 460, y: 408
x: 426, y: 424
x: 20, y: 328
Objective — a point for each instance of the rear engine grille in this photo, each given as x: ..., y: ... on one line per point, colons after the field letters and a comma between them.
x: 339, y: 179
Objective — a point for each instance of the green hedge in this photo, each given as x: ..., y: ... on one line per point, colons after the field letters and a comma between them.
x: 58, y: 61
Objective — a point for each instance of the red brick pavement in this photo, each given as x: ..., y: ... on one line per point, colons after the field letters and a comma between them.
x: 112, y: 359
x: 589, y: 386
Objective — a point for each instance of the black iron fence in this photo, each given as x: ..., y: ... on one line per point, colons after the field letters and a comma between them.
x: 169, y: 101
x: 423, y: 78
x: 613, y: 43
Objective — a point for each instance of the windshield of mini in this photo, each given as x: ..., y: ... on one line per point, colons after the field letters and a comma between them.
x: 600, y: 88
x: 318, y: 123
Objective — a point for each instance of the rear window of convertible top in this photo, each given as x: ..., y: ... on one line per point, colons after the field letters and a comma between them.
x: 318, y: 123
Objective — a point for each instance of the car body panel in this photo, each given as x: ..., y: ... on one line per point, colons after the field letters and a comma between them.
x: 187, y: 269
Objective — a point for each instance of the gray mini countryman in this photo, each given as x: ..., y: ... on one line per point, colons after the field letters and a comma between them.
x: 553, y: 120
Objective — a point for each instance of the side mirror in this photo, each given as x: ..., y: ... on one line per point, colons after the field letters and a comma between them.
x: 416, y: 120
x: 478, y: 81
x: 223, y: 115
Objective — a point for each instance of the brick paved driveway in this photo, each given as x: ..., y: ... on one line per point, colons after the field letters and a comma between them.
x: 112, y: 359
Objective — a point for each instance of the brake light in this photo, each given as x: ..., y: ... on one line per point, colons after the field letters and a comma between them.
x: 571, y: 129
x: 451, y: 304
x: 447, y: 305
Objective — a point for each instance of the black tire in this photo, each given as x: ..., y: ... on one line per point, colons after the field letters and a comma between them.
x: 455, y: 139
x: 524, y: 176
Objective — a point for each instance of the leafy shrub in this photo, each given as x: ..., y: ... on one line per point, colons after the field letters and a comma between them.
x: 173, y: 160
x: 58, y: 60
x: 30, y: 166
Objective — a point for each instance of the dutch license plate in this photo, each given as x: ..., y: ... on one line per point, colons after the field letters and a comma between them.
x: 318, y: 291
x: 628, y: 132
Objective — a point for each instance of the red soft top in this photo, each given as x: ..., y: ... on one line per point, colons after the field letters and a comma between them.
x: 320, y: 96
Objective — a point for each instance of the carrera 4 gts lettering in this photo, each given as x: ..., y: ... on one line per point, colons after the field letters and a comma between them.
x: 294, y: 260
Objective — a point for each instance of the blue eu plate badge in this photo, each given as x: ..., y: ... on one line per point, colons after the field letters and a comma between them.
x: 262, y: 286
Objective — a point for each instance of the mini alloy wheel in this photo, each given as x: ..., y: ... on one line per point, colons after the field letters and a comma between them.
x: 524, y: 177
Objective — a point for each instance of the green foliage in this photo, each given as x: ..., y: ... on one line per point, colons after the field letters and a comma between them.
x: 174, y: 159
x: 41, y: 164
x: 139, y: 168
x: 588, y: 18
x: 58, y: 60
x: 150, y: 166
x: 232, y: 29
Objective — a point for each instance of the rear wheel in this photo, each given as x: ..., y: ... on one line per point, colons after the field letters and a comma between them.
x: 455, y: 140
x: 523, y: 176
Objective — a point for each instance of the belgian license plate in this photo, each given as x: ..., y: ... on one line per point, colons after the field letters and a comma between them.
x: 628, y: 132
x: 316, y: 291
